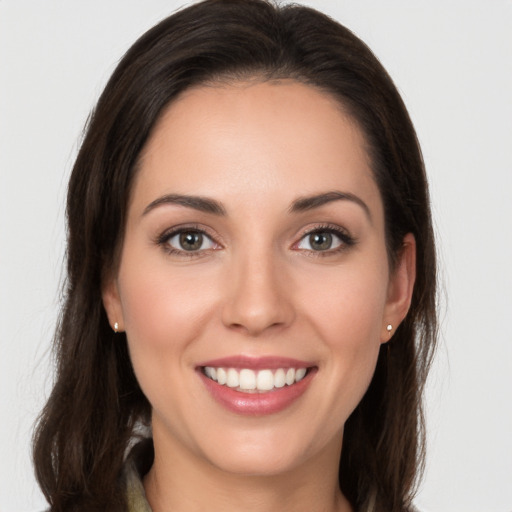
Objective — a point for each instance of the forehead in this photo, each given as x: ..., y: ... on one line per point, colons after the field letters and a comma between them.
x: 244, y: 139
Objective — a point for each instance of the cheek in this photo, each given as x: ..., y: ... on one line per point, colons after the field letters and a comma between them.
x: 163, y: 308
x: 348, y: 306
x: 155, y: 295
x: 347, y: 313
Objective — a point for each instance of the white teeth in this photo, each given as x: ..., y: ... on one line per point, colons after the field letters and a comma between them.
x: 247, y: 380
x: 233, y: 381
x: 279, y: 378
x: 265, y: 380
x: 299, y: 374
x: 221, y: 376
x: 211, y: 372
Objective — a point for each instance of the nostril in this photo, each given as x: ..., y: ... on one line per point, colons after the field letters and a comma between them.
x: 254, y: 328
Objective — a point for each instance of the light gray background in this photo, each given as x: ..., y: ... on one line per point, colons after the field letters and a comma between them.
x: 452, y: 61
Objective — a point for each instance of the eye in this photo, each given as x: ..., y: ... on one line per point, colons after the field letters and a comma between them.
x: 319, y: 241
x: 325, y: 240
x: 189, y: 241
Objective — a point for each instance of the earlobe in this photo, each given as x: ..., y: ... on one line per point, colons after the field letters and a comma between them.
x: 400, y: 289
x: 112, y: 305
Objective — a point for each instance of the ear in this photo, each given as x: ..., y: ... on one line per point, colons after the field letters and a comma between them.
x: 112, y: 304
x: 400, y: 288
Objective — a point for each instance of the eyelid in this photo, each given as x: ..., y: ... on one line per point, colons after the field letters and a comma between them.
x: 163, y: 238
x: 346, y: 239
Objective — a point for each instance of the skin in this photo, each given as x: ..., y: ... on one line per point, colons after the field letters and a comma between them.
x: 258, y: 288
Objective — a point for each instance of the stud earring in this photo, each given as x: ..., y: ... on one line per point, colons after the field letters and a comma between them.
x: 116, y: 327
x: 389, y: 328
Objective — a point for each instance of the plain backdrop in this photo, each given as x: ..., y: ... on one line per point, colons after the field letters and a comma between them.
x: 452, y: 62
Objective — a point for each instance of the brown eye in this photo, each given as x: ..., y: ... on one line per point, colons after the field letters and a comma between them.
x: 190, y: 241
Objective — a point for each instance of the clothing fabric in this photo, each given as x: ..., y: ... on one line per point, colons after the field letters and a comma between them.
x: 136, y: 466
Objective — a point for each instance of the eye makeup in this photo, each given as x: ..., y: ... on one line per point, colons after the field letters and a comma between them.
x: 195, y: 241
x: 325, y: 240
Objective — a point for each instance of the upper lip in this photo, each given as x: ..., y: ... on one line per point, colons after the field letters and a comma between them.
x: 256, y: 363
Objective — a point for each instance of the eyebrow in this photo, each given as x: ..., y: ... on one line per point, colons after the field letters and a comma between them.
x: 302, y: 204
x: 202, y: 204
x: 310, y: 202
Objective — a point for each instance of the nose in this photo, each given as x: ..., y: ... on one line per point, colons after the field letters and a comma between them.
x: 259, y: 296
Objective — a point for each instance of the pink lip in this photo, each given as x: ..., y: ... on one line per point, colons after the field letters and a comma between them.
x: 262, y: 403
x: 256, y: 363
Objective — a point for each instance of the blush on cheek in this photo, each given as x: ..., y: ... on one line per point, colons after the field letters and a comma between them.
x: 158, y: 304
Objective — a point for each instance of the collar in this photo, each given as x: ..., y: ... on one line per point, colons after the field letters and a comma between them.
x: 136, y: 466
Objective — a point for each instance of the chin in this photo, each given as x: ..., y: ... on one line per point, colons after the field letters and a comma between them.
x: 248, y: 463
x: 263, y: 453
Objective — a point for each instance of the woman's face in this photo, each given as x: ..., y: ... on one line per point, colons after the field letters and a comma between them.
x: 254, y: 284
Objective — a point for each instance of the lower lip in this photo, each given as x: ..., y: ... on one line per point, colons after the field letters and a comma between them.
x: 257, y: 404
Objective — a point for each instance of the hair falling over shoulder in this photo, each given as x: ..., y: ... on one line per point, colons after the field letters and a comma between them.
x: 96, y: 404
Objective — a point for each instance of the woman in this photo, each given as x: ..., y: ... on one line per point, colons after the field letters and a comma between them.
x: 251, y: 277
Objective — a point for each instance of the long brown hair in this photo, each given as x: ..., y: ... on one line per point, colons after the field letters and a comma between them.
x: 96, y: 403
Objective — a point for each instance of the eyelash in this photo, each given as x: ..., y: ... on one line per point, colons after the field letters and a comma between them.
x: 163, y: 241
x: 345, y: 238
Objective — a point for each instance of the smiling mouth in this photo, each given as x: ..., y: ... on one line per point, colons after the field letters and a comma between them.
x: 247, y: 380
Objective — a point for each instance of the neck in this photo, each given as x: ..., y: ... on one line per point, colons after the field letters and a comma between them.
x: 182, y: 482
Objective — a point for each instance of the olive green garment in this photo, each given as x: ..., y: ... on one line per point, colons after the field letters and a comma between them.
x: 136, y: 466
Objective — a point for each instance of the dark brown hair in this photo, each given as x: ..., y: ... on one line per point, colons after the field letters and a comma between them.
x: 89, y: 420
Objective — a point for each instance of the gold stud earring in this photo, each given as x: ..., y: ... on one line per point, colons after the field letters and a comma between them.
x: 116, y: 327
